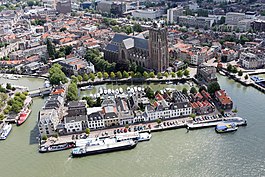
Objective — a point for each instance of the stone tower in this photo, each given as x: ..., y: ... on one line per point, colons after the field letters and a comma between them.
x: 158, y: 49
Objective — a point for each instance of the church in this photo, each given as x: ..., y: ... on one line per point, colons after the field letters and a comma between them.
x: 151, y: 54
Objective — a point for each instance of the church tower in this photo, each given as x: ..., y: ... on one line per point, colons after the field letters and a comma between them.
x: 158, y: 49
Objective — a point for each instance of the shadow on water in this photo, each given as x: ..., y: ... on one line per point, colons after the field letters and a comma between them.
x: 33, y: 138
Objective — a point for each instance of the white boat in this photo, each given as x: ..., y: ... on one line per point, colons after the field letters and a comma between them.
x: 109, y: 91
x: 100, y: 90
x: 135, y: 89
x: 113, y: 91
x: 226, y: 127
x: 47, y: 84
x: 128, y: 89
x: 139, y: 89
x: 169, y: 82
x: 121, y: 90
x: 105, y: 92
x: 89, y: 87
x: 5, y: 131
x: 134, y: 136
x: 237, y: 120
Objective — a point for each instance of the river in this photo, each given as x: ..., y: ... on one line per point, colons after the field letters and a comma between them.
x: 169, y: 154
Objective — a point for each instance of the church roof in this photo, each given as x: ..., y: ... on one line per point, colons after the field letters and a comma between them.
x: 131, y: 41
x: 112, y: 47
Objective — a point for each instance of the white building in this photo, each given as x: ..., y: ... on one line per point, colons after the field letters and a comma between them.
x: 251, y: 61
x: 48, y: 121
x: 232, y: 18
x: 147, y: 14
x: 75, y: 124
x: 95, y: 121
x: 173, y: 14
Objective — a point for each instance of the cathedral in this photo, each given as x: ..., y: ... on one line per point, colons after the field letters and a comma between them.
x: 151, y: 53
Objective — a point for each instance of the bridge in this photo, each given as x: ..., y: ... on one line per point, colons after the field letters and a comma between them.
x: 40, y: 92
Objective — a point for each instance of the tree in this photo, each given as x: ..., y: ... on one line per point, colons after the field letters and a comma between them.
x: 213, y: 87
x: 180, y: 74
x: 149, y: 92
x: 112, y: 75
x: 119, y: 75
x: 72, y: 94
x: 158, y: 121
x: 2, y: 89
x: 138, y: 75
x: 137, y: 27
x: 234, y: 70
x: 30, y: 3
x: 193, y: 90
x: 74, y: 79
x: 99, y: 75
x: 85, y: 77
x: 166, y: 74
x: 125, y: 74
x: 92, y: 76
x: 240, y: 73
x: 2, y: 116
x: 159, y: 75
x: 146, y: 75
x: 105, y: 75
x: 8, y: 86
x: 79, y: 78
x: 184, y: 91
x: 51, y: 49
x: 186, y: 73
x: 63, y: 29
x: 222, y: 20
x: 133, y: 67
x: 87, y: 131
x: 44, y: 137
x: 246, y: 77
x: 193, y: 116
x: 152, y: 74
x: 56, y: 75
x: 229, y: 68
x: 173, y: 75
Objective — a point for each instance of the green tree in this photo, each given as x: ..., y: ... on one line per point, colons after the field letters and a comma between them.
x: 99, y: 75
x: 146, y: 75
x: 125, y: 74
x: 193, y: 116
x: 180, y: 74
x: 193, y: 90
x: 56, y: 75
x: 234, y: 70
x: 137, y: 27
x: 213, y: 87
x: 51, y: 48
x: 186, y: 73
x: 79, y: 78
x: 158, y: 121
x: 74, y: 79
x: 173, y: 75
x: 166, y: 74
x: 159, y: 75
x: 87, y: 131
x: 105, y: 75
x: 72, y: 94
x: 229, y: 68
x: 2, y: 116
x: 119, y: 75
x: 8, y: 86
x: 184, y: 91
x: 246, y: 77
x: 133, y: 67
x: 152, y: 74
x: 85, y: 77
x: 112, y: 75
x: 92, y: 76
x: 149, y: 92
x: 240, y: 73
x: 44, y: 137
x: 63, y: 29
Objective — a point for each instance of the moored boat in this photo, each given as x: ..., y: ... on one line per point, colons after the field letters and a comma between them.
x: 225, y: 127
x: 105, y: 146
x: 23, y: 116
x: 134, y: 136
x: 5, y: 131
x: 56, y: 147
x: 237, y: 120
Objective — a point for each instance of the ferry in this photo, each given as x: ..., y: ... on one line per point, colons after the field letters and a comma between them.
x: 226, y: 127
x: 104, y: 146
x: 23, y: 116
x: 237, y: 120
x: 5, y: 131
x: 134, y: 136
x: 57, y: 147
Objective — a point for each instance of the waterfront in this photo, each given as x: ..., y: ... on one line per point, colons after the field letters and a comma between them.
x: 169, y: 153
x: 31, y: 82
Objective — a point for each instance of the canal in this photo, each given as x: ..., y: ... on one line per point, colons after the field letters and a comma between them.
x: 170, y: 153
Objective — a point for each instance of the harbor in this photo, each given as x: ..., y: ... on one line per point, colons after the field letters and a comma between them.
x: 174, y: 149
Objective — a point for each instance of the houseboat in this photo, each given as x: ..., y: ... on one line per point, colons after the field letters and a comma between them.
x: 56, y: 147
